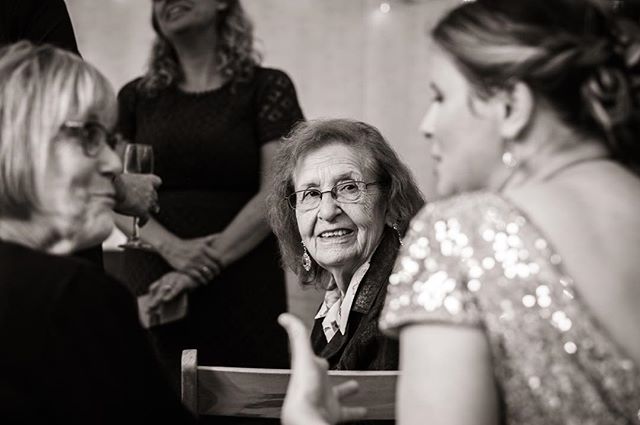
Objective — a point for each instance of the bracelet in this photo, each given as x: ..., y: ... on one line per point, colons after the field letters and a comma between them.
x: 207, y: 271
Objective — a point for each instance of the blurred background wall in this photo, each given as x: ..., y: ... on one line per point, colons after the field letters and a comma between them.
x: 361, y: 59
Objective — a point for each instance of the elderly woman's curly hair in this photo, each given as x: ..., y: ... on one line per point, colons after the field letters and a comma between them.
x: 237, y: 56
x: 400, y: 192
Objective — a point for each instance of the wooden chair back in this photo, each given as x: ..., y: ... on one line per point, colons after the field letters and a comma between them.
x: 253, y: 392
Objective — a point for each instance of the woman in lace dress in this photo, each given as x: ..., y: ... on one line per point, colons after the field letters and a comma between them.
x: 516, y: 301
x: 213, y: 117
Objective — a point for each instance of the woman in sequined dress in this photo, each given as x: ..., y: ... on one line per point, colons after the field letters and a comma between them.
x: 515, y: 301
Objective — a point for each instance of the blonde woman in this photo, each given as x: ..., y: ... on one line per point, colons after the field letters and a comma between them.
x: 516, y: 299
x: 73, y: 349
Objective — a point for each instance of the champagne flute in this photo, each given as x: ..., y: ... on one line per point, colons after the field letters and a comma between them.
x: 138, y: 159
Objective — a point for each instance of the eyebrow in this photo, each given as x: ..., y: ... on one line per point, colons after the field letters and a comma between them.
x: 340, y: 177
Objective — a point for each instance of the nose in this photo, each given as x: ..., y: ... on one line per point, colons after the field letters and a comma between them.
x: 328, y: 208
x: 427, y: 126
x: 109, y: 162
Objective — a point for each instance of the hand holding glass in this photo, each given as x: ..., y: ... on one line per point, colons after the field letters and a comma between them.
x: 138, y: 159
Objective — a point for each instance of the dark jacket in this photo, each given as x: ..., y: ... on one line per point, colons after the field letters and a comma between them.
x: 73, y: 350
x: 363, y: 346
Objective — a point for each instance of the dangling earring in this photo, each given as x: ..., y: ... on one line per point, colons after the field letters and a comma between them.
x: 395, y: 227
x: 509, y: 160
x: 513, y: 164
x: 306, y: 260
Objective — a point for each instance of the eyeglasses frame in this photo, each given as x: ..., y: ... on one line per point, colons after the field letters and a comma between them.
x: 333, y: 192
x: 110, y: 138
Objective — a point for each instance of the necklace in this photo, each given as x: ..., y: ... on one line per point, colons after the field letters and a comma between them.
x: 553, y: 172
x: 558, y: 166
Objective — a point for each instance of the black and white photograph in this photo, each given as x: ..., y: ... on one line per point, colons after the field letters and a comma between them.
x: 437, y: 222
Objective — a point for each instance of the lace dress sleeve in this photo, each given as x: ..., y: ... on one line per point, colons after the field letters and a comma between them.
x: 277, y: 107
x: 431, y: 280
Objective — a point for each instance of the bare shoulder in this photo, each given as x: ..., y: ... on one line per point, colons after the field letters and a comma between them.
x: 602, y: 198
x: 592, y: 220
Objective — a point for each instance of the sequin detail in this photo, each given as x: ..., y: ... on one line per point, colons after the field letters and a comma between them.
x: 475, y: 260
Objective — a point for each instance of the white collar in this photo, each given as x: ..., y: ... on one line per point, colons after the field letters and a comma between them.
x: 336, y: 306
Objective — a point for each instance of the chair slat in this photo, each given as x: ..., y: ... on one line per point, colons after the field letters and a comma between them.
x: 253, y: 392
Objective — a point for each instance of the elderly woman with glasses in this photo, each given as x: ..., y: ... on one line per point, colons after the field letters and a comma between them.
x: 340, y: 202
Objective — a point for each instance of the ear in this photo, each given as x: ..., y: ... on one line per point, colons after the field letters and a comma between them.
x: 517, y: 110
x: 388, y: 219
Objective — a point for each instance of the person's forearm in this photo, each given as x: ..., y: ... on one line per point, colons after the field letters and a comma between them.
x: 248, y: 228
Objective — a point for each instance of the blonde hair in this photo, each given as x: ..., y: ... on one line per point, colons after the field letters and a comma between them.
x: 573, y: 54
x: 40, y: 88
x: 236, y: 54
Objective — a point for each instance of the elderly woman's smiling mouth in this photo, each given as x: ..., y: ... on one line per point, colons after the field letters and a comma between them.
x: 335, y: 235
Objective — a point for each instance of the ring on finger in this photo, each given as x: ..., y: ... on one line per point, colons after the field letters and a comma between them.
x: 207, y: 271
x: 167, y: 287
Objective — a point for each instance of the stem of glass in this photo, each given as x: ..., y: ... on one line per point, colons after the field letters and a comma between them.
x: 136, y: 230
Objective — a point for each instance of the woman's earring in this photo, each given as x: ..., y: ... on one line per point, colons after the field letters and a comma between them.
x: 509, y: 160
x: 306, y: 260
x: 395, y: 227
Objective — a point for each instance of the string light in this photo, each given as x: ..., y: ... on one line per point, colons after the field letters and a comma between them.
x: 385, y: 7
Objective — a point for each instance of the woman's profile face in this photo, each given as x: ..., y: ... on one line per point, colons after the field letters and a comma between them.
x: 463, y: 129
x: 339, y: 236
x: 176, y: 16
x: 77, y: 192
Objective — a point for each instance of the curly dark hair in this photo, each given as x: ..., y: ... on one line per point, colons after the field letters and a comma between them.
x: 237, y: 55
x: 577, y: 55
x: 400, y: 191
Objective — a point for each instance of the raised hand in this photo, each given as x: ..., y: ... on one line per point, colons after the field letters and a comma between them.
x: 310, y: 399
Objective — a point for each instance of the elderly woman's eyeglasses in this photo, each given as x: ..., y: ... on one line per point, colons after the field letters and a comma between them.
x: 92, y: 135
x: 345, y: 192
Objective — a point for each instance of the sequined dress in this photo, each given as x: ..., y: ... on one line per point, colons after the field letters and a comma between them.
x: 476, y: 260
